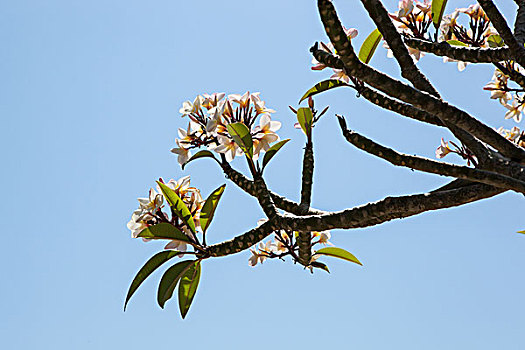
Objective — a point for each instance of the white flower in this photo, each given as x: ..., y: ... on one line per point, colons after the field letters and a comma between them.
x: 153, y: 203
x: 324, y: 236
x: 340, y: 75
x: 228, y: 147
x: 405, y: 8
x: 443, y: 149
x: 265, y: 133
x: 184, y: 153
x: 514, y: 111
x: 188, y: 107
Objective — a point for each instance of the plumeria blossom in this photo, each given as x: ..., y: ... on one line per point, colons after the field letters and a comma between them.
x: 323, y: 237
x: 405, y: 8
x: 340, y: 75
x: 184, y: 154
x: 150, y: 211
x: 498, y: 87
x: 227, y: 147
x: 514, y: 111
x: 511, y: 135
x: 443, y: 149
x: 188, y: 107
x: 265, y: 133
x: 461, y: 65
x: 262, y: 254
x: 210, y: 115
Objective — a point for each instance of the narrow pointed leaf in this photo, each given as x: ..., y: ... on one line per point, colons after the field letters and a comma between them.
x: 178, y: 206
x: 151, y: 265
x: 200, y: 154
x: 338, y: 253
x: 320, y: 265
x: 208, y: 209
x: 438, y: 8
x: 188, y: 286
x: 369, y: 46
x: 522, y: 232
x: 242, y: 137
x: 170, y: 279
x: 323, y: 86
x: 495, y: 41
x: 456, y: 43
x: 163, y: 230
x: 305, y: 118
x: 272, y: 151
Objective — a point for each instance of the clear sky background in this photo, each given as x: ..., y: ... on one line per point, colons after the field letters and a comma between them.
x: 89, y: 99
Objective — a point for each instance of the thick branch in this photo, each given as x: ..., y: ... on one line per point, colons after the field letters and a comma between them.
x: 362, y: 216
x: 430, y: 166
x: 390, y: 208
x: 409, y: 70
x: 466, y: 54
x: 497, y: 20
x: 399, y: 90
x: 519, y: 25
x: 242, y: 242
x: 398, y: 107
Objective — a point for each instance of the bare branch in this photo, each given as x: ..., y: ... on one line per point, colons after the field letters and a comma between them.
x: 466, y: 54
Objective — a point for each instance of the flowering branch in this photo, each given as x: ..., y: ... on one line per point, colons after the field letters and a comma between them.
x: 409, y: 70
x: 503, y: 29
x: 428, y: 165
x: 403, y: 92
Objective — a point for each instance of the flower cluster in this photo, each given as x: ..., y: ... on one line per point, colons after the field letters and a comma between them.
x: 338, y: 73
x: 500, y: 90
x: 462, y: 151
x: 515, y: 135
x: 150, y: 211
x: 283, y: 245
x: 209, y: 116
x: 413, y: 21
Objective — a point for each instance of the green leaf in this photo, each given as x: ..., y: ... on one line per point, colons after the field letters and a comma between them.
x: 456, y: 43
x: 522, y: 232
x: 163, y: 230
x: 323, y: 86
x: 242, y: 137
x: 178, y: 206
x: 188, y: 286
x: 369, y: 46
x: 151, y: 265
x: 200, y: 154
x: 272, y: 151
x: 320, y: 265
x: 208, y: 209
x: 495, y: 41
x: 438, y: 8
x: 305, y: 118
x: 170, y: 279
x: 338, y: 253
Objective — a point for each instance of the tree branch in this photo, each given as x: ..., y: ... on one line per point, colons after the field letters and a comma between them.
x: 430, y: 166
x: 467, y: 54
x: 403, y: 92
x: 249, y: 187
x: 497, y: 20
x: 409, y: 70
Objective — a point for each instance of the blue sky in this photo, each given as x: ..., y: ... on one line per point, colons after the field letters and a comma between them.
x: 89, y: 102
